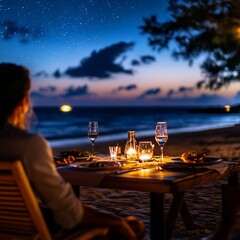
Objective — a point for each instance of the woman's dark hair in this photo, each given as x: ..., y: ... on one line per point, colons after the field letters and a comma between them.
x: 14, y: 85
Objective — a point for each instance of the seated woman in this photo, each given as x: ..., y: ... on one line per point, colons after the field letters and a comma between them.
x: 61, y: 208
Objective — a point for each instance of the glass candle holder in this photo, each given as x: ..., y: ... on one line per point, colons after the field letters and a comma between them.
x: 145, y: 150
x: 113, y: 152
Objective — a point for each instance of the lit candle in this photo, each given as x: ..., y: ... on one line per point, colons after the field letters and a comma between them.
x: 144, y: 156
x: 131, y: 153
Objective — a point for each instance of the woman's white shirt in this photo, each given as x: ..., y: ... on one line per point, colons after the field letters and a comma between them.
x: 50, y: 188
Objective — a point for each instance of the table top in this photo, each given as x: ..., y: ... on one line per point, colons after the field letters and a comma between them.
x: 148, y: 180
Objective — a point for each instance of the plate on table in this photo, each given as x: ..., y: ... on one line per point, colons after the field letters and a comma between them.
x: 177, y: 163
x: 76, y: 154
x: 62, y: 161
x: 96, y: 166
x: 80, y: 159
x: 71, y: 156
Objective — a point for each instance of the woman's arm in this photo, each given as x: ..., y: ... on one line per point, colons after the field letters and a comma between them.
x: 95, y: 218
x: 54, y: 192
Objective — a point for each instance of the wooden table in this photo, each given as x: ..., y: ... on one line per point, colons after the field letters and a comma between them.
x: 158, y: 183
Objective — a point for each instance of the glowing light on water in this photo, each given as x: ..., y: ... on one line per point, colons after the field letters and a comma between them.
x: 227, y: 108
x: 238, y: 32
x: 66, y: 108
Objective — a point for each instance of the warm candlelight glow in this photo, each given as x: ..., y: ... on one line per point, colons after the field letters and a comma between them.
x: 145, y: 156
x: 131, y: 151
x: 66, y: 108
x: 145, y: 150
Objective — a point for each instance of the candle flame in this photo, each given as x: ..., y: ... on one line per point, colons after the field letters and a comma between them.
x: 131, y: 151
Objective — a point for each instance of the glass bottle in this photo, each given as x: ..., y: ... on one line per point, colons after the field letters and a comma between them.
x: 131, y: 146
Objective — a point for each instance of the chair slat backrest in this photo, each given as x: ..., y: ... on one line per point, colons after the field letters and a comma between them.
x: 20, y: 214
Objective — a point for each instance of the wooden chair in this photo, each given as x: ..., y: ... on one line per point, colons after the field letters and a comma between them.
x: 20, y: 215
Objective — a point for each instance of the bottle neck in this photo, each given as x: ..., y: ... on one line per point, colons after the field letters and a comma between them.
x: 131, y: 135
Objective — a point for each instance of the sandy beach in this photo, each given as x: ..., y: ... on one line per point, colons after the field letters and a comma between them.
x: 224, y: 143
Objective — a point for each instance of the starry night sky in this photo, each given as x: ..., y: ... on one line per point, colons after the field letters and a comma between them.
x: 93, y: 53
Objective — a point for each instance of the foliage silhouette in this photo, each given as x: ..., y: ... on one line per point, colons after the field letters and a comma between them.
x: 206, y: 28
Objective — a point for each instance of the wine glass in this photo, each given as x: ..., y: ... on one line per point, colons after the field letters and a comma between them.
x: 161, y: 137
x: 92, y: 133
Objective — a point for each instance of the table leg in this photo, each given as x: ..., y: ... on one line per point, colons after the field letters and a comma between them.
x: 157, y: 218
x: 233, y: 180
x: 173, y: 213
x: 186, y: 217
x: 230, y: 210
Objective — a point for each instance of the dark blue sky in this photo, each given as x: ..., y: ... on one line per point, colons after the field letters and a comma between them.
x: 92, y: 53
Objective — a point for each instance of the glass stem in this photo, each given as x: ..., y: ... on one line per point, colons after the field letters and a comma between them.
x: 161, y: 147
x: 92, y: 149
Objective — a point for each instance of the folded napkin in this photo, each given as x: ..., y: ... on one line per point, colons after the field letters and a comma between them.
x: 99, y: 158
x: 82, y: 172
x: 221, y: 167
x: 81, y: 177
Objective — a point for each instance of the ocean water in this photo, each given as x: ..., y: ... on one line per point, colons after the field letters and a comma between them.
x: 67, y: 129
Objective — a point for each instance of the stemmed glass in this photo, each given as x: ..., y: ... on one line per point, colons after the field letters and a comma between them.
x: 93, y: 133
x: 161, y: 137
